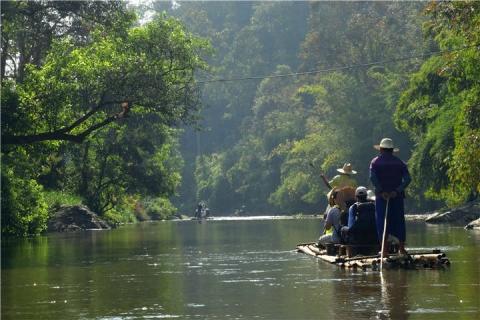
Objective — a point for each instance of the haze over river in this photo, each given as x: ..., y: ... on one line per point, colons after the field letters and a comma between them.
x: 229, y: 269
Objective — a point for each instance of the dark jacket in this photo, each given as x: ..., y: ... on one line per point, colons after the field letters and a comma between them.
x: 361, y: 224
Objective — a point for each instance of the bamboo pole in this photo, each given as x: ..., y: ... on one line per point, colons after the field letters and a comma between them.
x: 306, y: 244
x: 384, y: 234
x: 307, y: 250
x: 314, y: 248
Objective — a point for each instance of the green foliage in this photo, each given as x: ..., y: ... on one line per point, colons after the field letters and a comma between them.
x: 429, y: 86
x: 125, y: 210
x: 123, y: 161
x: 151, y: 67
x: 429, y: 161
x: 55, y: 199
x: 30, y: 27
x: 159, y: 208
x: 212, y: 183
x: 464, y: 172
x: 24, y: 210
x: 301, y: 184
x: 258, y: 137
x: 440, y: 106
x: 74, y: 87
x: 262, y: 135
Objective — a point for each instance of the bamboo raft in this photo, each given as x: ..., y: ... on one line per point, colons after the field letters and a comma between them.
x: 432, y: 259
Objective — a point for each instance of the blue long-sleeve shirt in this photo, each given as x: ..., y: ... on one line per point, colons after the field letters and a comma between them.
x: 389, y: 173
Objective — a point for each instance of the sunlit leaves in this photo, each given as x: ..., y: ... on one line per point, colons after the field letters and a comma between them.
x: 24, y: 210
x: 152, y: 67
x: 91, y: 68
x: 440, y: 106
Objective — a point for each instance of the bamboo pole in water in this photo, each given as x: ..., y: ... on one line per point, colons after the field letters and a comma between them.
x: 306, y: 250
x: 384, y: 235
x: 314, y: 249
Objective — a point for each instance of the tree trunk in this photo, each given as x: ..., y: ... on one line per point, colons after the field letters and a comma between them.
x: 85, y: 176
x: 21, y: 59
x: 4, y: 55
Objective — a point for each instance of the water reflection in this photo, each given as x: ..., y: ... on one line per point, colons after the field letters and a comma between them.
x: 227, y: 270
x: 394, y: 293
x: 369, y: 295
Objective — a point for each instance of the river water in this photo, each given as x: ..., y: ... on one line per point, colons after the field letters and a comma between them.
x: 228, y: 269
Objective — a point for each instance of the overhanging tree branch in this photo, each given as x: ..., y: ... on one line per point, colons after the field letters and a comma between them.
x: 63, y: 133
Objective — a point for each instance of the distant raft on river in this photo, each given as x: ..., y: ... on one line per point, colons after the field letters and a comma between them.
x: 425, y: 259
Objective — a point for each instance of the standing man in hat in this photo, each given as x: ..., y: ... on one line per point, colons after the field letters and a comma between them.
x: 390, y: 177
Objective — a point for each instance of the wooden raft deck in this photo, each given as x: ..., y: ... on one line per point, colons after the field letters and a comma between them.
x: 433, y: 259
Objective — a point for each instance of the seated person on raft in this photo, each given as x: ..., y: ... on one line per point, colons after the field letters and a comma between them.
x: 361, y: 229
x: 345, y: 197
x: 345, y: 184
x: 332, y: 221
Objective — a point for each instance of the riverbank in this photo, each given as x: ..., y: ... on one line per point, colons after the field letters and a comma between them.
x: 466, y: 215
x: 70, y: 218
x: 79, y: 217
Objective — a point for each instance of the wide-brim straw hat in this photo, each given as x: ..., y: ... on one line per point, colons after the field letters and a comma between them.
x: 386, y: 143
x: 347, y: 169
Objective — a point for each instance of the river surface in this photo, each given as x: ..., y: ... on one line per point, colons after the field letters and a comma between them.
x: 229, y: 269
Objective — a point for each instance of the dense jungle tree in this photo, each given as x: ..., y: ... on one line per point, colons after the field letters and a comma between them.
x: 95, y: 79
x: 441, y: 106
x: 91, y: 97
x: 246, y: 141
x: 250, y: 39
x: 324, y: 118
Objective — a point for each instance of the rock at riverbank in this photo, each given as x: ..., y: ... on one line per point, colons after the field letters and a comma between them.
x: 475, y: 224
x: 459, y: 216
x: 75, y: 218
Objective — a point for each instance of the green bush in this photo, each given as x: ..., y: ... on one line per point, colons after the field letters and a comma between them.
x: 24, y: 210
x: 55, y: 199
x: 124, y: 211
x: 115, y: 217
x: 159, y: 208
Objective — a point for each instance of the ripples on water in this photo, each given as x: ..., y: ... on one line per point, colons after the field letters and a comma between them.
x: 231, y: 268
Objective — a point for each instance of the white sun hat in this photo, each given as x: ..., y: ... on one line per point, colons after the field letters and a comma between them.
x: 347, y: 169
x: 386, y: 143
